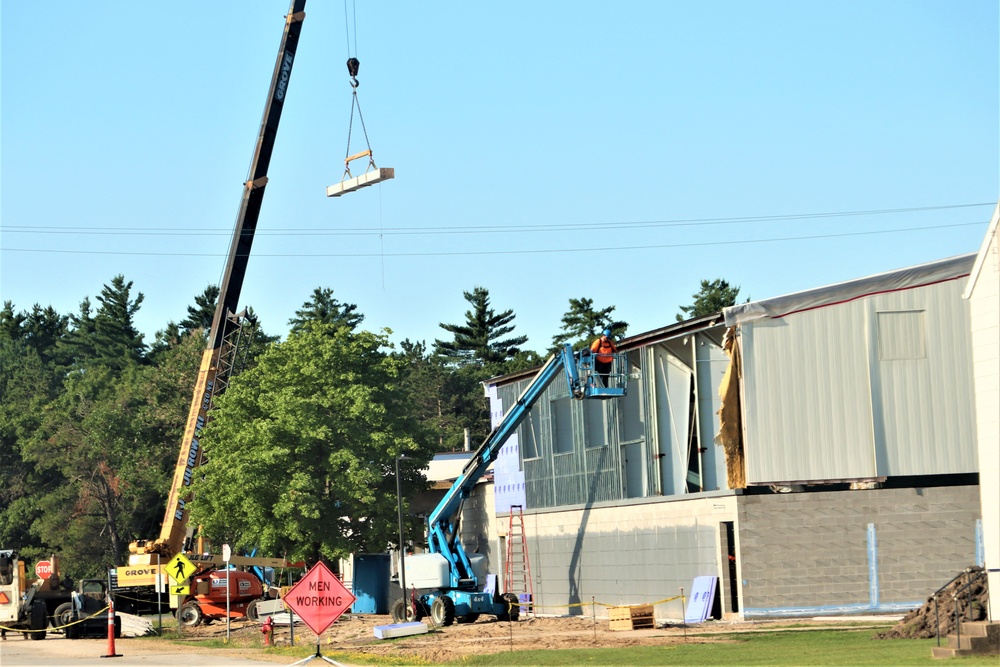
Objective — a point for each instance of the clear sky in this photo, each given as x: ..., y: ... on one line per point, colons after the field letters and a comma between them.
x: 544, y: 150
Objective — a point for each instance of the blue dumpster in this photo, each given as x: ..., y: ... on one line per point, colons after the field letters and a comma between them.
x: 371, y: 584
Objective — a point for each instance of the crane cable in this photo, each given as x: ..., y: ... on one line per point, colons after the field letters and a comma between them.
x: 352, y: 69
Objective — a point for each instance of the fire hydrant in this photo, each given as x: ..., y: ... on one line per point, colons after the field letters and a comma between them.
x: 268, y: 630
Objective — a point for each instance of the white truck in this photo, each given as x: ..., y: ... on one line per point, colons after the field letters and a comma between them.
x: 19, y: 609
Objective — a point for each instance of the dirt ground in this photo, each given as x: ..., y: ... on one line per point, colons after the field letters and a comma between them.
x: 355, y: 634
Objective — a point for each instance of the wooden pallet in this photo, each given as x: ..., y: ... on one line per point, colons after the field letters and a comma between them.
x: 633, y: 617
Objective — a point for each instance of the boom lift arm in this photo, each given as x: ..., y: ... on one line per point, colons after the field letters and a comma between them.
x: 458, y: 594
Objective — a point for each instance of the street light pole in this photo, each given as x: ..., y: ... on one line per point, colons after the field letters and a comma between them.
x: 402, y: 544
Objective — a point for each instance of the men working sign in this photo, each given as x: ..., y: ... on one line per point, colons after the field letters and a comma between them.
x: 319, y: 598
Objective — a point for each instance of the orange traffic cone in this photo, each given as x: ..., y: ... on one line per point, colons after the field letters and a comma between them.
x: 111, y: 632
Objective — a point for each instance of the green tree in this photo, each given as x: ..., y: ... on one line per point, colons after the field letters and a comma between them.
x: 480, y: 340
x: 27, y: 386
x: 323, y: 308
x: 200, y: 315
x: 447, y: 401
x: 165, y: 339
x: 301, y: 448
x: 711, y: 298
x: 78, y: 345
x: 582, y: 324
x: 117, y: 341
x: 108, y: 442
x: 198, y: 320
x: 11, y: 322
x: 41, y: 328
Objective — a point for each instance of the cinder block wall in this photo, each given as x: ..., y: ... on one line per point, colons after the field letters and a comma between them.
x: 637, y: 553
x: 814, y: 553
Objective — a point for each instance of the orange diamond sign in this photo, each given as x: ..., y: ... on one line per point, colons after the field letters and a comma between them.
x: 319, y: 598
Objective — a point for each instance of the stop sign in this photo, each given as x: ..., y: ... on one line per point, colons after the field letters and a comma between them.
x: 43, y: 569
x: 319, y: 598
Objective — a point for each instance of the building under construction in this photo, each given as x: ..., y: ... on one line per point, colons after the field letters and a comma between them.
x: 815, y: 452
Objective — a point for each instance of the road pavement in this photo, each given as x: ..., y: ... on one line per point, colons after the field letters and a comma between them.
x: 55, y: 651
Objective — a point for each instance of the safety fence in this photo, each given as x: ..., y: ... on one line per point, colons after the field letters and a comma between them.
x: 57, y: 627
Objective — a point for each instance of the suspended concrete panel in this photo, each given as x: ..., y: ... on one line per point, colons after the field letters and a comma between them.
x: 364, y: 180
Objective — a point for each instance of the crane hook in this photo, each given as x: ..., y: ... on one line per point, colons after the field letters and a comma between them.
x: 352, y: 69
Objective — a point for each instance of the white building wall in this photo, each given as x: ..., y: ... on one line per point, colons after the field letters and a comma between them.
x: 807, y: 411
x: 874, y: 387
x: 984, y: 300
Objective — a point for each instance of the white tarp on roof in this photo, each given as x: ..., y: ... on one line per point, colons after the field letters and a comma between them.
x: 891, y: 281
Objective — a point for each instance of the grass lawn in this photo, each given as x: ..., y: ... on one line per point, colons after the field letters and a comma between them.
x: 798, y: 648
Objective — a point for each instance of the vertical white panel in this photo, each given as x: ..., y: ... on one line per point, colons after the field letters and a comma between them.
x: 922, y: 389
x: 806, y: 405
x: 984, y: 302
x: 672, y: 393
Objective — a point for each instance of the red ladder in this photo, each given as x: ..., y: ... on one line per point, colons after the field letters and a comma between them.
x: 518, y: 572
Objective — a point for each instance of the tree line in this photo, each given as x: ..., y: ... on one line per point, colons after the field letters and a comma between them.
x: 300, y: 450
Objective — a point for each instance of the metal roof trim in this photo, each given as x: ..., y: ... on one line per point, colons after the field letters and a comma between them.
x: 910, y: 277
x: 639, y: 340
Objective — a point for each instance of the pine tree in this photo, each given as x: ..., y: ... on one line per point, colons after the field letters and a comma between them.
x: 78, y: 345
x: 712, y: 298
x: 116, y: 339
x: 480, y: 340
x: 200, y: 315
x: 11, y: 322
x: 582, y: 324
x: 323, y: 308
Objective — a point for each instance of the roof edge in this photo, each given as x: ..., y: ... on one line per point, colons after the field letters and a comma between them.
x: 910, y: 277
x: 977, y: 268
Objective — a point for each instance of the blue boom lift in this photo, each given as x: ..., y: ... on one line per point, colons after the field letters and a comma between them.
x: 448, y: 582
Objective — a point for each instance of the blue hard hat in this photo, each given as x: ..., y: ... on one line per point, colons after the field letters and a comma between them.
x: 607, y: 332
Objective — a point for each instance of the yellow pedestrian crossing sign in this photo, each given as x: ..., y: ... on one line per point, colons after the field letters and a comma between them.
x: 179, y: 568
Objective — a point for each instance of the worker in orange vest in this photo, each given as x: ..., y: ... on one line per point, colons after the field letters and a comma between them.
x: 603, y: 349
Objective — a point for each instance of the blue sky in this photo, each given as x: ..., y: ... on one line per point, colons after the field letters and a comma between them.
x: 543, y: 150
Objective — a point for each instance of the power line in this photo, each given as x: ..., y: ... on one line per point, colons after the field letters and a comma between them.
x: 475, y: 229
x: 602, y: 249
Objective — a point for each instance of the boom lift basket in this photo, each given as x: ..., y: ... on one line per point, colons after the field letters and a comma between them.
x: 593, y: 383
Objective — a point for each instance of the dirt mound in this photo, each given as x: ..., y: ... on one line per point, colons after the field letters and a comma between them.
x: 932, y: 619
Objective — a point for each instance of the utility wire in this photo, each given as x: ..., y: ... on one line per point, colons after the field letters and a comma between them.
x: 602, y: 249
x: 480, y: 229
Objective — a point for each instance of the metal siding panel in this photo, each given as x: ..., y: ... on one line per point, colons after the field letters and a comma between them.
x: 928, y: 424
x: 806, y: 403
